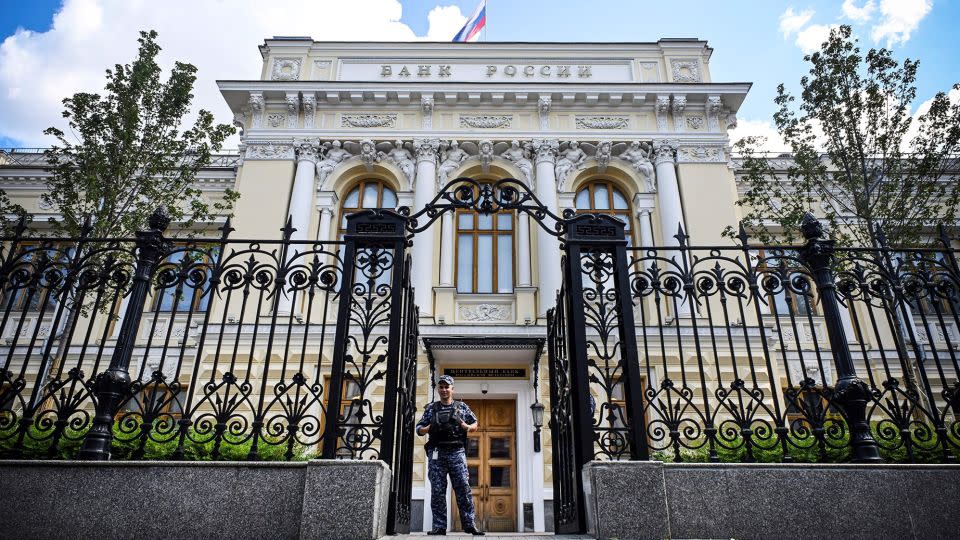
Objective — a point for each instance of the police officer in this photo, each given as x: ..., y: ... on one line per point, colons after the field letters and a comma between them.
x: 448, y: 422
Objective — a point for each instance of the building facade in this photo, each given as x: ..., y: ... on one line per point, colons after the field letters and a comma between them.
x: 335, y: 126
x: 637, y: 131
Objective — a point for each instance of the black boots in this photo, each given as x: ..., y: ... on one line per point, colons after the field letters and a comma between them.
x: 474, y: 531
x: 437, y: 532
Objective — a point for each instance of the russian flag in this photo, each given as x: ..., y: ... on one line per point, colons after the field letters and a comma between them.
x: 471, y: 30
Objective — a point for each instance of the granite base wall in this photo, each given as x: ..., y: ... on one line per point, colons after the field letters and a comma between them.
x: 144, y: 499
x: 656, y: 500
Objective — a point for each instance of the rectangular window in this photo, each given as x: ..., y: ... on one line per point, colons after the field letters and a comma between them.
x: 485, y: 259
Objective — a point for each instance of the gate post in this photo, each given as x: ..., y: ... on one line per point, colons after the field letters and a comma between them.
x: 375, y: 247
x: 596, y: 250
x: 850, y: 393
x: 113, y: 385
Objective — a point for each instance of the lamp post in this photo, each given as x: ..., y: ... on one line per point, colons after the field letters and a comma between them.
x: 537, y: 410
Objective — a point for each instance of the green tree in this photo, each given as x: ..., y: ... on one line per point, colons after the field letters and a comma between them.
x: 860, y: 160
x: 126, y: 154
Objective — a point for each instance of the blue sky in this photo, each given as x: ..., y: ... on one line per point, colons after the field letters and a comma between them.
x: 756, y: 41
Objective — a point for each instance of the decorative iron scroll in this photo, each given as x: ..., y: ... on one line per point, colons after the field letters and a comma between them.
x: 486, y: 198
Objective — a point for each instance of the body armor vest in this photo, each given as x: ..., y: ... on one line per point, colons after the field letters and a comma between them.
x: 445, y: 430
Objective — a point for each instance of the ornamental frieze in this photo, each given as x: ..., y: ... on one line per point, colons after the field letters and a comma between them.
x: 701, y: 154
x: 368, y: 120
x: 269, y: 151
x: 485, y: 312
x: 602, y: 122
x: 486, y: 121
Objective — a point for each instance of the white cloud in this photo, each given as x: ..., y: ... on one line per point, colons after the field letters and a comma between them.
x: 812, y: 37
x: 898, y: 19
x: 791, y: 22
x: 759, y: 128
x: 445, y: 22
x: 39, y: 69
x: 856, y: 13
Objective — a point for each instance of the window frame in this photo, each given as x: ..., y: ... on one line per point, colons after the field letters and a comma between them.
x: 496, y: 233
x: 360, y: 186
x: 625, y: 214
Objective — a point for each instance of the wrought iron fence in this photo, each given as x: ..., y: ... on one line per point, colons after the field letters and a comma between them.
x: 217, y: 348
x: 778, y: 353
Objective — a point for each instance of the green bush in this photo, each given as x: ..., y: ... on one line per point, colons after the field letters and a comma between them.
x: 37, y: 445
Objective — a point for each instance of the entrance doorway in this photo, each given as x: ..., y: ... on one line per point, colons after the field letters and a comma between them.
x: 492, y: 464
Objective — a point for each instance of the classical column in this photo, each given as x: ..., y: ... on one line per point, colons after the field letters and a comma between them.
x: 424, y: 191
x: 523, y: 250
x: 668, y: 191
x: 447, y: 263
x: 301, y: 203
x: 669, y: 206
x: 548, y: 249
x: 323, y: 229
x: 301, y: 197
x: 646, y: 227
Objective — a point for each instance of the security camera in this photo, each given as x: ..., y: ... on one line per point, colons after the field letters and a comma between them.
x: 484, y: 388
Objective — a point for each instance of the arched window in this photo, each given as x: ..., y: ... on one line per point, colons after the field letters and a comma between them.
x: 485, y: 252
x: 604, y: 197
x: 366, y: 194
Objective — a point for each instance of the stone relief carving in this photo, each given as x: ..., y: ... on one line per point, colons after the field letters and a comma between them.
x: 661, y: 108
x: 276, y: 120
x: 603, y: 155
x: 638, y: 155
x: 309, y: 110
x: 369, y: 154
x: 520, y: 156
x: 731, y: 121
x: 452, y: 158
x: 306, y: 150
x: 543, y: 107
x: 486, y: 122
x: 700, y: 153
x: 256, y: 108
x: 293, y: 110
x: 569, y: 159
x: 486, y: 155
x: 426, y: 107
x: 402, y: 158
x: 426, y: 149
x: 650, y: 72
x: 240, y: 120
x: 334, y: 155
x: 368, y: 120
x: 546, y: 150
x: 695, y: 122
x: 286, y: 69
x: 714, y: 107
x: 269, y: 151
x: 664, y: 151
x: 679, y: 104
x: 484, y: 312
x: 685, y: 71
x: 602, y: 122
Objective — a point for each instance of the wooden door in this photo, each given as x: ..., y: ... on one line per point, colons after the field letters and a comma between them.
x: 492, y: 464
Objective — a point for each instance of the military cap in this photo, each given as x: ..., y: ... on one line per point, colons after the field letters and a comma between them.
x: 445, y: 379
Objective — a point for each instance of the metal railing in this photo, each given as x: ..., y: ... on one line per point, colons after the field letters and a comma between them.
x: 218, y: 348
